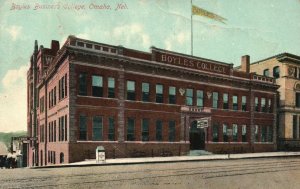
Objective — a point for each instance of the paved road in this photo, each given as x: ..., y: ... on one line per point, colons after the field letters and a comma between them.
x: 250, y: 173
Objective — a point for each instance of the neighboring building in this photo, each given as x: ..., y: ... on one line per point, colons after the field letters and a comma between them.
x: 19, y: 147
x: 3, y: 149
x: 87, y: 94
x: 285, y: 68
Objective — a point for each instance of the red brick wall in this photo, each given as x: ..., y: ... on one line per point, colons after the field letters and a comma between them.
x: 86, y: 150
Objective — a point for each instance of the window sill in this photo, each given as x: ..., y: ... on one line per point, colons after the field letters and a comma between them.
x: 96, y: 141
x: 210, y: 142
x: 156, y: 103
x: 263, y: 143
x: 97, y: 97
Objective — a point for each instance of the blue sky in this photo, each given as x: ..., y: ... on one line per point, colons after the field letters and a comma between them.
x: 260, y: 28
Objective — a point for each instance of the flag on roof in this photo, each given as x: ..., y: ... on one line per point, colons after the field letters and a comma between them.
x: 201, y: 12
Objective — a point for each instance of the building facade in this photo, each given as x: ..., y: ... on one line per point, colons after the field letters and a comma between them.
x: 285, y: 68
x: 88, y: 94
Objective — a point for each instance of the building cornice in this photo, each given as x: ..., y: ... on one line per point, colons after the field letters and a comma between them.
x: 281, y: 58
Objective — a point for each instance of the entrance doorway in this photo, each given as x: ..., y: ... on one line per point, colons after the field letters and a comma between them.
x: 197, y: 137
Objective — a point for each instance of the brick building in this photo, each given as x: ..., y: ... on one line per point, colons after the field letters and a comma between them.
x: 286, y: 70
x: 87, y: 94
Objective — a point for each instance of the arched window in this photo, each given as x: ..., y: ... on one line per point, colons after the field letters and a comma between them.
x: 276, y: 72
x: 61, y: 158
x: 266, y: 72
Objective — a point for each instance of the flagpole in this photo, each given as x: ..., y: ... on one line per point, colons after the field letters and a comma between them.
x: 191, y: 27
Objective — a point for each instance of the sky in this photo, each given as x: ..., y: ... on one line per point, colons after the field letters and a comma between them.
x: 259, y: 28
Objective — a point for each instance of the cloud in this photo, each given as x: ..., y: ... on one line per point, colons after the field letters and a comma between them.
x: 14, y: 31
x: 174, y: 41
x: 13, y: 100
x: 13, y: 77
x: 132, y: 34
x: 83, y: 36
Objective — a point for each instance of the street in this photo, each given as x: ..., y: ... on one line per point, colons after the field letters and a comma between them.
x: 247, y: 173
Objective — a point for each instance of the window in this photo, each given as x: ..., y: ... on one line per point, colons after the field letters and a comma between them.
x: 263, y: 134
x: 66, y: 128
x: 171, y: 131
x: 42, y: 133
x: 225, y: 100
x: 298, y: 100
x: 89, y: 46
x: 270, y: 105
x: 199, y: 98
x: 54, y: 95
x: 111, y: 87
x: 159, y: 130
x: 295, y: 127
x: 54, y: 157
x: 263, y: 105
x: 82, y: 84
x: 62, y: 131
x: 59, y: 129
x: 256, y: 104
x: 215, y: 99
x: 270, y: 133
x: 244, y: 103
x: 81, y: 44
x: 62, y: 90
x: 42, y: 104
x: 97, y: 86
x: 159, y: 93
x: 172, y: 95
x: 244, y: 133
x: 235, y: 105
x: 111, y: 129
x: 145, y: 129
x: 97, y: 128
x: 276, y: 72
x: 130, y: 129
x: 189, y: 97
x: 225, y: 134
x: 49, y: 132
x: 66, y: 86
x: 61, y: 158
x: 295, y: 72
x: 256, y: 133
x: 49, y: 99
x: 59, y: 90
x: 130, y: 90
x: 82, y: 128
x: 62, y: 128
x: 145, y: 92
x: 62, y: 94
x: 215, y: 132
x: 266, y: 72
x: 234, y: 132
x: 54, y: 131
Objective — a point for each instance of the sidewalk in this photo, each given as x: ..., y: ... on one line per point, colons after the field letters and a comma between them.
x: 144, y: 160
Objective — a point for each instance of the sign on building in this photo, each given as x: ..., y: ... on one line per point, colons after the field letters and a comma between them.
x: 202, y: 123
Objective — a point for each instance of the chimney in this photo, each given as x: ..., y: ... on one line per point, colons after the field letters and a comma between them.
x: 245, y: 63
x: 54, y: 46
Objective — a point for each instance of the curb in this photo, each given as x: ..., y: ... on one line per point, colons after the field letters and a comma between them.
x: 190, y: 159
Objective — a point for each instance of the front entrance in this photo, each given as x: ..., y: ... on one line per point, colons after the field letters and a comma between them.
x: 197, y: 137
